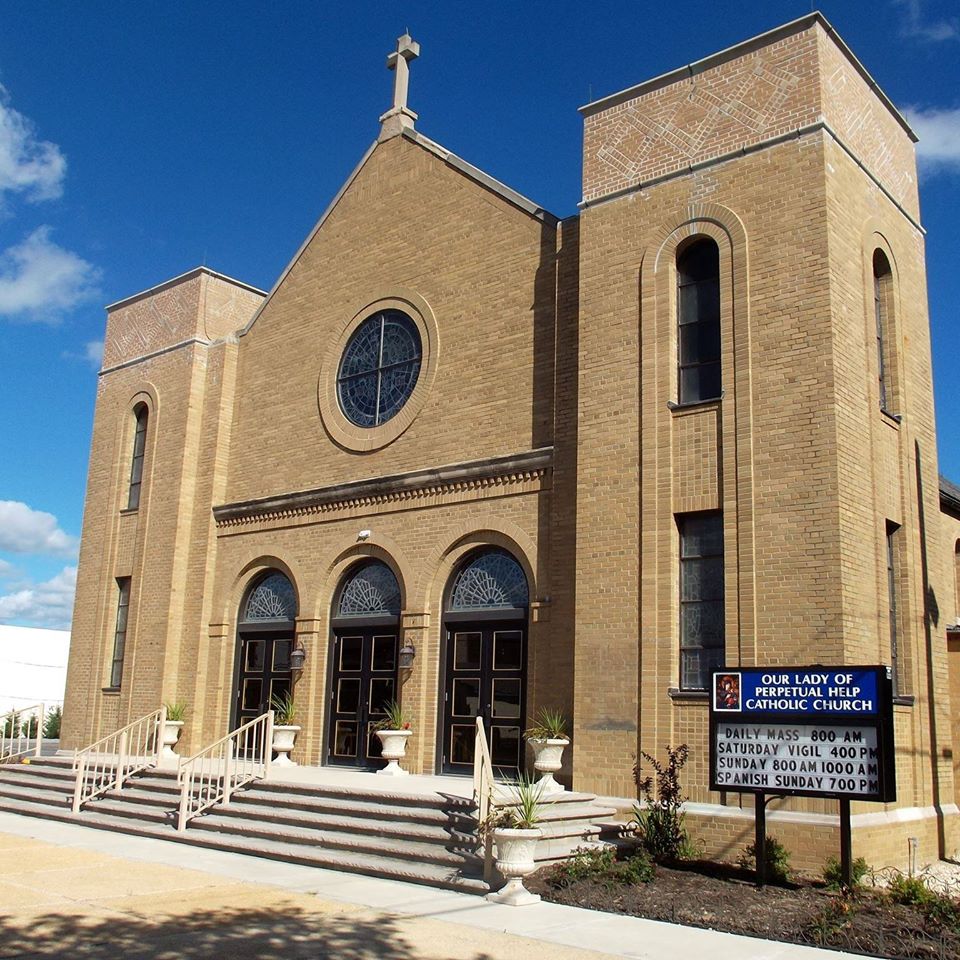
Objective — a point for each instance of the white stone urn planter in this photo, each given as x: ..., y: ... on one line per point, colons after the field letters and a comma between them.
x: 171, y: 734
x: 284, y: 737
x: 515, y: 849
x: 547, y: 760
x: 394, y: 743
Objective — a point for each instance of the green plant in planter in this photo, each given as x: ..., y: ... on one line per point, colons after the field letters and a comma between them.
x: 548, y: 725
x: 524, y: 811
x: 176, y: 711
x: 284, y: 710
x: 396, y: 718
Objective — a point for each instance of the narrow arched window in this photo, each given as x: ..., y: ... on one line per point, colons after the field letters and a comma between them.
x: 882, y: 283
x: 698, y: 317
x: 141, y: 415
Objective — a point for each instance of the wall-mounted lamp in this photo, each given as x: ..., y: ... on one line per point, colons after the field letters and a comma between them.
x: 408, y: 653
x: 297, y: 656
x: 364, y: 534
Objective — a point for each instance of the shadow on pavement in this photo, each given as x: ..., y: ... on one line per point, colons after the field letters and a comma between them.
x: 286, y: 933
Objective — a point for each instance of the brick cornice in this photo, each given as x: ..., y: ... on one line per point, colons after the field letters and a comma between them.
x: 514, y: 469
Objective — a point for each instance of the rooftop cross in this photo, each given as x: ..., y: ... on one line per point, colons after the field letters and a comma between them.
x: 400, y: 115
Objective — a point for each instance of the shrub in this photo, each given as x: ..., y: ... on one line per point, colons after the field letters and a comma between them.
x: 176, y: 712
x: 601, y: 864
x: 585, y: 864
x: 11, y: 725
x: 937, y: 907
x: 51, y: 724
x: 659, y: 824
x: 777, y: 860
x: 831, y: 872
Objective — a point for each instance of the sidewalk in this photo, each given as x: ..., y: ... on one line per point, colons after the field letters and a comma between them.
x: 71, y: 891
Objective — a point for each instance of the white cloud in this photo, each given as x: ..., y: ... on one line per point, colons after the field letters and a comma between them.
x: 23, y: 530
x: 29, y: 166
x: 7, y: 569
x: 39, y: 280
x: 47, y: 604
x: 916, y: 25
x: 93, y: 351
x: 939, y: 133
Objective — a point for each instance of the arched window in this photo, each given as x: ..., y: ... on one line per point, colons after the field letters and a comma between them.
x: 882, y: 289
x: 698, y: 318
x: 370, y: 590
x: 272, y: 598
x: 487, y: 581
x: 141, y: 415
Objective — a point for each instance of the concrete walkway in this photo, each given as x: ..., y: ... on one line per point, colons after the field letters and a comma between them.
x: 71, y: 891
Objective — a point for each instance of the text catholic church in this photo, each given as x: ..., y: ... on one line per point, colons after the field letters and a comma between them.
x: 570, y: 464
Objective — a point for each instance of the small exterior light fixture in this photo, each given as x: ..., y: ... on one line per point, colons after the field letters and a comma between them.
x: 297, y: 656
x: 364, y: 535
x: 408, y: 653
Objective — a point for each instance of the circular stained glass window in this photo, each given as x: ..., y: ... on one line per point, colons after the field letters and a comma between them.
x: 379, y: 368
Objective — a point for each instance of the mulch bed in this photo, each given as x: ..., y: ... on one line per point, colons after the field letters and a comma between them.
x: 721, y: 897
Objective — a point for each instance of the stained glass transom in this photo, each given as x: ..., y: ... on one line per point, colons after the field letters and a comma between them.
x: 379, y: 368
x: 492, y: 579
x: 271, y: 599
x: 372, y: 590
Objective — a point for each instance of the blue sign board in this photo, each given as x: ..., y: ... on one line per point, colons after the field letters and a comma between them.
x: 803, y: 731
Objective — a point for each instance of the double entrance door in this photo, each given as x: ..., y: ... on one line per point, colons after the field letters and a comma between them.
x: 264, y: 672
x: 485, y: 676
x: 364, y: 681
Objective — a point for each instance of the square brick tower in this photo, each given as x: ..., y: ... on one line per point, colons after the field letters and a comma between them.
x: 751, y: 244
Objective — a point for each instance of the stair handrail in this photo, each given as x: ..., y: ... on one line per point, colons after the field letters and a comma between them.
x: 212, y: 775
x: 110, y: 761
x: 14, y: 739
x: 483, y: 796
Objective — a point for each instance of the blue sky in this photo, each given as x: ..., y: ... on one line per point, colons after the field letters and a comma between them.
x: 138, y: 140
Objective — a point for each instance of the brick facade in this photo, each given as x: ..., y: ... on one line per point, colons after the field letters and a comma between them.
x: 545, y: 423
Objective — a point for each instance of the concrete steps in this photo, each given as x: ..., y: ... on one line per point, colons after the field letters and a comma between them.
x: 420, y: 838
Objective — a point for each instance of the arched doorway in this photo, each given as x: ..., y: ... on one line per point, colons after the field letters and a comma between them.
x: 265, y: 636
x: 485, y: 662
x: 363, y: 675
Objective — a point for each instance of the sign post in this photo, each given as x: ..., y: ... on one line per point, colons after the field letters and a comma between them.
x: 803, y: 731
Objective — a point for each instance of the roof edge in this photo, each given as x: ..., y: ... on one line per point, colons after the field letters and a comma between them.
x: 740, y: 49
x: 331, y: 206
x: 479, y: 176
x: 181, y: 278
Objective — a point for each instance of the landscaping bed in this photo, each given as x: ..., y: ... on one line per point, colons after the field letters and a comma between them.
x: 724, y: 897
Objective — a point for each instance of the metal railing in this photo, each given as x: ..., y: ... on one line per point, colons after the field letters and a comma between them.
x: 211, y: 776
x: 21, y: 732
x: 483, y: 795
x: 113, y: 759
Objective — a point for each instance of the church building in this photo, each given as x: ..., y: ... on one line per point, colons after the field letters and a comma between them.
x: 481, y: 460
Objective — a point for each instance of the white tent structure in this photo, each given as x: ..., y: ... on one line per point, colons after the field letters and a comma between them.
x: 33, y: 666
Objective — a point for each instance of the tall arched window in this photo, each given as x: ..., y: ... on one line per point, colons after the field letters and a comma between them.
x: 882, y: 289
x: 141, y: 415
x: 698, y: 318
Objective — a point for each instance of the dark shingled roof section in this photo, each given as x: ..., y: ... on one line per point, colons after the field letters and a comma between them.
x: 949, y: 495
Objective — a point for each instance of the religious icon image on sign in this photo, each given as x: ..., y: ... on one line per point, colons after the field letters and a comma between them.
x: 726, y: 692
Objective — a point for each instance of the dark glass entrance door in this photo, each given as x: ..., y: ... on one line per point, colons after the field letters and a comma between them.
x: 364, y: 681
x: 264, y: 672
x: 486, y: 675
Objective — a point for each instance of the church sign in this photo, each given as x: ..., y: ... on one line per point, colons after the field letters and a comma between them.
x: 804, y: 731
